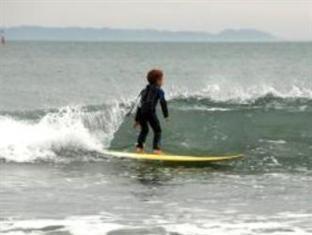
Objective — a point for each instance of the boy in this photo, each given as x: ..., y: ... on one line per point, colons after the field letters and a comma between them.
x: 146, y: 112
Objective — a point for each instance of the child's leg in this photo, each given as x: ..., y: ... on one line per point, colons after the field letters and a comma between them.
x: 154, y: 122
x: 143, y: 134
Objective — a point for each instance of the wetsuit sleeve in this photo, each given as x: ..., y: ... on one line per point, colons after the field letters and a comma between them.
x: 163, y: 103
x: 139, y: 110
x: 138, y: 114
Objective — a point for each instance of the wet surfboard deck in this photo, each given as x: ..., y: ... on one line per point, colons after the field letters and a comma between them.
x: 171, y: 157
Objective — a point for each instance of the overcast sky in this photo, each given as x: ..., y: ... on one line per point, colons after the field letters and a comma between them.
x: 289, y: 19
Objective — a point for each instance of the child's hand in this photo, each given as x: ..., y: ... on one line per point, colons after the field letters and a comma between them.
x: 136, y: 124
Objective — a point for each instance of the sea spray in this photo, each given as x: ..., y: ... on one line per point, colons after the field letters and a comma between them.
x: 69, y: 127
x: 237, y: 92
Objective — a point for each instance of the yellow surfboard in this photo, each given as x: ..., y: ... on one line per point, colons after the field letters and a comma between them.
x: 171, y: 158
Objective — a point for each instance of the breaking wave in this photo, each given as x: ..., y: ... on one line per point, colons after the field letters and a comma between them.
x: 200, y: 124
x: 24, y: 138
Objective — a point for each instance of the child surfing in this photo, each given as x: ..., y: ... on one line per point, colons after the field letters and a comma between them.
x: 146, y: 114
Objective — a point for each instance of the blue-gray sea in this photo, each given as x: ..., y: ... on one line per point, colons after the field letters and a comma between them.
x: 62, y: 104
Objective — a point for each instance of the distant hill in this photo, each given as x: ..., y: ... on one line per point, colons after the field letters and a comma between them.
x: 108, y: 34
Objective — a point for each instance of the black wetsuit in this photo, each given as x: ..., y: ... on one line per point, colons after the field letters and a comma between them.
x: 146, y: 114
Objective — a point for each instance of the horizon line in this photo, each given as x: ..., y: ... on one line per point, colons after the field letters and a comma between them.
x: 139, y: 29
x: 274, y: 37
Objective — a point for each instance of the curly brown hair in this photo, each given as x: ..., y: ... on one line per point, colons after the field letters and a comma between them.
x: 154, y: 75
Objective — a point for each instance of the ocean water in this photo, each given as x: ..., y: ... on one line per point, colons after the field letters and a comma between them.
x: 61, y: 104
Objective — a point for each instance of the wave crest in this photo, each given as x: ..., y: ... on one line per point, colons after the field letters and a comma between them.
x: 226, y: 91
x: 69, y: 127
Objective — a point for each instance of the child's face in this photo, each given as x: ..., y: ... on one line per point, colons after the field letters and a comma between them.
x: 160, y: 82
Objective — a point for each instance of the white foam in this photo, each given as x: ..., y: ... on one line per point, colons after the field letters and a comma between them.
x: 221, y: 89
x: 26, y: 141
x: 75, y: 225
x: 224, y: 90
x: 217, y: 224
x: 273, y: 141
x: 246, y: 224
x: 203, y: 108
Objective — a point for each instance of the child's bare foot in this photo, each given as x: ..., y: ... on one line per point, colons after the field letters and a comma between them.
x: 139, y: 150
x: 157, y: 151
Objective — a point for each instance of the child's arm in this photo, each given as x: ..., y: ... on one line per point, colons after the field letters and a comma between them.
x: 137, y: 114
x: 163, y: 104
x: 137, y: 118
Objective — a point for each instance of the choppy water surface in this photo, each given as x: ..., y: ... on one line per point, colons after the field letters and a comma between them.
x: 61, y: 104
